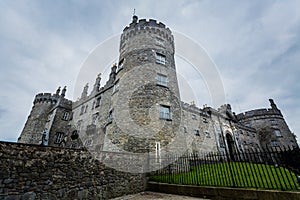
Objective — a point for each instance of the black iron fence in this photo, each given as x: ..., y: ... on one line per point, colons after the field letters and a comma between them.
x: 276, y: 168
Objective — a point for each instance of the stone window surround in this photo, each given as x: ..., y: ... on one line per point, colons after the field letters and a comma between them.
x: 165, y: 112
x: 66, y: 116
x: 58, y: 137
x: 161, y: 80
x: 160, y: 58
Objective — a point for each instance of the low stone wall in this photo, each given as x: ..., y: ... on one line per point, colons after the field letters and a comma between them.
x: 36, y: 172
x: 222, y: 193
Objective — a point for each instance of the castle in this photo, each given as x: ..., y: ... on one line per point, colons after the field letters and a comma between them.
x: 139, y: 108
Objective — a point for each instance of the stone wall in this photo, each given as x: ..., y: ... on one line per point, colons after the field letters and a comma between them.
x: 36, y: 172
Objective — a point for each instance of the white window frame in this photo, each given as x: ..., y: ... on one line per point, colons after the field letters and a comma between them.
x: 157, y: 151
x: 164, y: 112
x: 162, y: 79
x: 160, y: 58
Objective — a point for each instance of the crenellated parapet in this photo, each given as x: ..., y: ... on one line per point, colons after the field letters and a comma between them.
x: 258, y: 113
x: 194, y: 109
x: 148, y: 27
x: 48, y: 98
x: 143, y: 26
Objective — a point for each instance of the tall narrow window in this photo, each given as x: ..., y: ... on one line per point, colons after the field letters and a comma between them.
x: 98, y: 100
x: 120, y: 66
x: 157, y: 151
x: 160, y: 59
x: 110, y: 116
x: 116, y: 87
x: 82, y: 109
x: 66, y: 116
x: 164, y: 112
x: 59, y: 137
x: 162, y: 80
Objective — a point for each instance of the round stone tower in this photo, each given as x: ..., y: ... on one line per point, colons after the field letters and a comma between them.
x: 35, y: 124
x: 145, y: 101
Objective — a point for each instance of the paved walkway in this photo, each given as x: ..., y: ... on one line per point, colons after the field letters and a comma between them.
x: 155, y: 196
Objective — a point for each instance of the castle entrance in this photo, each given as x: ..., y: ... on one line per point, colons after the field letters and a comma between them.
x: 230, y: 145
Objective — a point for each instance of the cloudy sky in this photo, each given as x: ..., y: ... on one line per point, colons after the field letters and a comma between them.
x: 255, y: 46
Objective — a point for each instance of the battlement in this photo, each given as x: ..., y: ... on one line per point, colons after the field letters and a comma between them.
x: 143, y: 26
x: 51, y: 98
x: 259, y: 112
x: 194, y: 109
x: 144, y: 22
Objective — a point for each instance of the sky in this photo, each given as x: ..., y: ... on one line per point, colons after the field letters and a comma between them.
x: 255, y: 46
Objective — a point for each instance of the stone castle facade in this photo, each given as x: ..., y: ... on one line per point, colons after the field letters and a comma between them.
x: 139, y: 108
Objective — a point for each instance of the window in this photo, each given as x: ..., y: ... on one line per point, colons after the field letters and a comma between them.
x: 120, y: 66
x: 110, y: 116
x: 157, y: 151
x: 66, y: 116
x: 273, y: 122
x: 205, y: 120
x: 162, y: 80
x: 221, y: 141
x: 196, y: 132
x: 73, y: 145
x: 85, y: 108
x: 79, y: 126
x: 88, y: 142
x: 98, y: 100
x: 164, y: 112
x: 194, y: 116
x: 247, y: 124
x: 94, y: 118
x: 116, y: 86
x: 59, y: 137
x: 275, y: 143
x: 207, y: 134
x: 277, y: 133
x: 82, y: 109
x: 160, y: 59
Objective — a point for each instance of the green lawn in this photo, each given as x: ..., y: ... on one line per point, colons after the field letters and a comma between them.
x: 234, y: 174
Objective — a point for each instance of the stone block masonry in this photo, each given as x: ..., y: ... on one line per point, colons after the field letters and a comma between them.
x: 37, y: 172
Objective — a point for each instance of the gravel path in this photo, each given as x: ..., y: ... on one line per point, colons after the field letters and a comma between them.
x: 155, y: 196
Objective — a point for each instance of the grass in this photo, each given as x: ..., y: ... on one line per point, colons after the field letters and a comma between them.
x: 234, y: 174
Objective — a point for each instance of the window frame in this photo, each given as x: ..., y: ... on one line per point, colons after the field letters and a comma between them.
x: 163, y: 114
x: 162, y: 79
x: 160, y: 58
x: 59, y: 136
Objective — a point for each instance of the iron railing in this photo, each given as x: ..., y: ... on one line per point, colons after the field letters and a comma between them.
x: 269, y: 168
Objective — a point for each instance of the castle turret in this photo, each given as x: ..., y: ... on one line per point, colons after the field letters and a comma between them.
x: 145, y: 100
x: 42, y: 112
